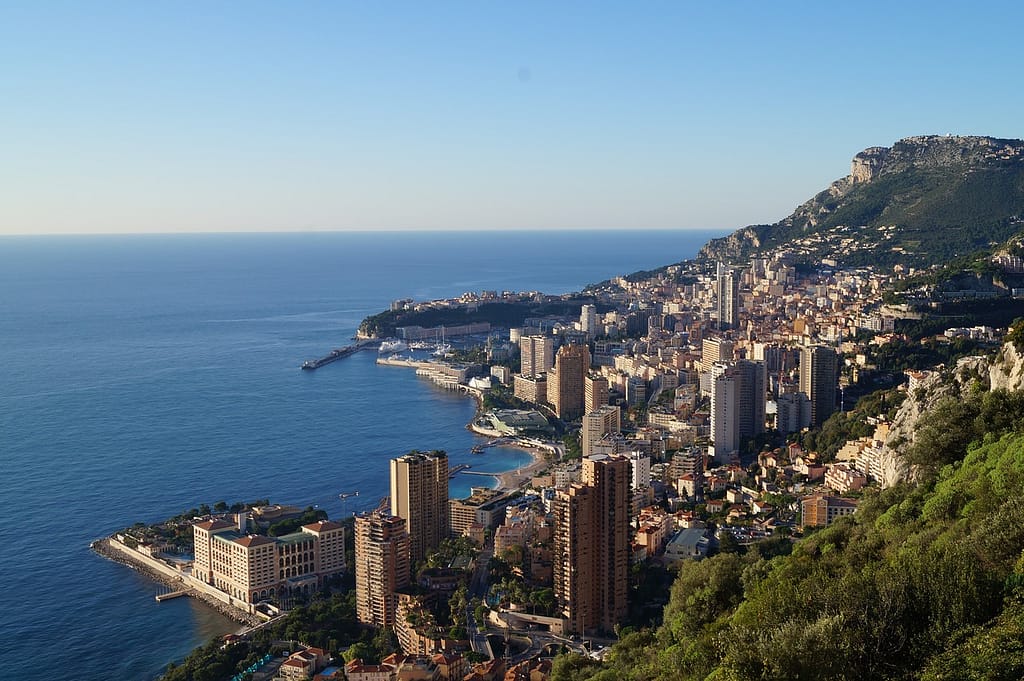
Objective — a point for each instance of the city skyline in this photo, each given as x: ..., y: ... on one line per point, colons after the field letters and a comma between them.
x: 196, y: 118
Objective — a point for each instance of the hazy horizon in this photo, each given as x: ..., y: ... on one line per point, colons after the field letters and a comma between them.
x: 191, y: 117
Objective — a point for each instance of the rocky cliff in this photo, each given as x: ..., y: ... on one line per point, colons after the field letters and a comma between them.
x: 945, y: 196
x: 1003, y: 372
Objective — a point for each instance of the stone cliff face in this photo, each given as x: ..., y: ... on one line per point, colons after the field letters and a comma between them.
x: 867, y: 164
x: 958, y: 155
x: 1004, y: 372
x: 903, y: 431
x: 933, y: 151
x: 1007, y: 371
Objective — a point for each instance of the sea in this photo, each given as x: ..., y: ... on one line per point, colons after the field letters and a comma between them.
x: 141, y: 376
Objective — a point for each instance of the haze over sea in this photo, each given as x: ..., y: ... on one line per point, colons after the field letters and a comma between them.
x: 145, y: 375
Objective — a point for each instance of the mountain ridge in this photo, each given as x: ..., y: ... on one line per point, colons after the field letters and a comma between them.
x: 922, y: 201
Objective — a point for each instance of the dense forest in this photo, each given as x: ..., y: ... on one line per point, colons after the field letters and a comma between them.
x: 924, y: 582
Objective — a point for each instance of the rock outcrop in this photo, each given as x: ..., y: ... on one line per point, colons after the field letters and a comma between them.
x: 1007, y: 371
x: 1003, y: 372
x: 867, y: 164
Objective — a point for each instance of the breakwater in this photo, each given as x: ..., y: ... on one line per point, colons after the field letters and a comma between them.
x: 335, y: 355
x: 164, y: 574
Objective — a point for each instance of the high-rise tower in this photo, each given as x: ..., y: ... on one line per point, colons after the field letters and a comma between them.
x: 595, y: 393
x: 819, y: 375
x: 537, y: 354
x: 591, y: 567
x: 382, y: 566
x: 419, y: 493
x: 588, y: 320
x: 566, y: 388
x: 737, y: 405
x: 597, y: 424
x: 728, y: 298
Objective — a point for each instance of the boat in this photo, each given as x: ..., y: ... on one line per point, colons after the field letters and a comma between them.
x: 442, y: 347
x: 391, y: 346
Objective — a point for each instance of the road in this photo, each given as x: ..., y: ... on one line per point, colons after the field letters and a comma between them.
x: 478, y: 589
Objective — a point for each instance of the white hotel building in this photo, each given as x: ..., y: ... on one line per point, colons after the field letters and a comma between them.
x: 250, y: 568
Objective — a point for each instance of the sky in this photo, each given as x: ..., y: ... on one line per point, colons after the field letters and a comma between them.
x: 298, y: 116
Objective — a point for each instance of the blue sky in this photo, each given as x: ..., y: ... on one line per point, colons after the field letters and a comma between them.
x: 282, y: 116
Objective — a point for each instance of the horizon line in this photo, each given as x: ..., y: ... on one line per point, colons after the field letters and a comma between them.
x: 371, y: 230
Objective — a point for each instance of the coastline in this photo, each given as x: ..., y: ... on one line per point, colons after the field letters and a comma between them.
x: 506, y: 481
x: 119, y: 553
x: 516, y: 479
x: 509, y: 480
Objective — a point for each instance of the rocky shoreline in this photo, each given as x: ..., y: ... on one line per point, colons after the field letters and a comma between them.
x: 103, y: 548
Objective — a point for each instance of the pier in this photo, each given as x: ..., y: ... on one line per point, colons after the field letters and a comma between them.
x: 455, y: 470
x: 160, y: 598
x: 337, y: 354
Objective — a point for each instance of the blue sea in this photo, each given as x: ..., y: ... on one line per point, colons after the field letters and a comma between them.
x: 144, y: 375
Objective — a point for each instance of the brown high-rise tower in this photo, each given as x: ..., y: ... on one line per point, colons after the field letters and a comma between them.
x: 419, y: 493
x: 566, y: 388
x: 382, y: 566
x: 592, y: 546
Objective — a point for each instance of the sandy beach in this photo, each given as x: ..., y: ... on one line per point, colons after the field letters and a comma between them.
x: 514, y: 479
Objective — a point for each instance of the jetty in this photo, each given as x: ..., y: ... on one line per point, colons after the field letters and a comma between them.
x: 160, y: 598
x: 338, y: 353
x: 455, y: 470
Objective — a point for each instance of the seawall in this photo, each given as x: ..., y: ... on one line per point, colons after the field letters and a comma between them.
x: 164, y: 574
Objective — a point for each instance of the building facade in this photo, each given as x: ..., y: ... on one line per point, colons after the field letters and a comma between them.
x: 728, y: 298
x: 819, y: 510
x: 419, y: 493
x: 251, y: 568
x: 588, y: 321
x: 595, y: 393
x: 382, y: 566
x: 819, y: 376
x: 537, y: 355
x: 597, y: 424
x: 737, y: 405
x: 566, y: 381
x: 592, y: 546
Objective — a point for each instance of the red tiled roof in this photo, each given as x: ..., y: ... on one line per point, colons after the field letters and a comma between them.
x: 213, y: 525
x: 322, y: 526
x: 254, y: 540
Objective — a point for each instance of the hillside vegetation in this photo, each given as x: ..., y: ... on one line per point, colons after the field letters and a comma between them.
x: 923, y: 582
x: 921, y: 202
